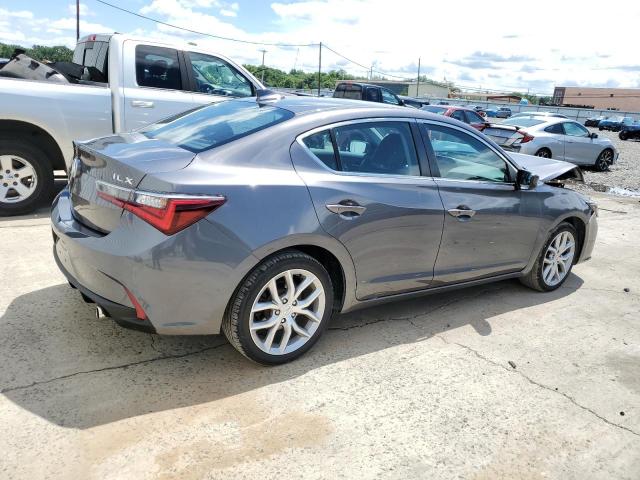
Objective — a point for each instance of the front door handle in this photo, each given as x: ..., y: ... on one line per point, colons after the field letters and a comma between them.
x: 462, y: 212
x: 141, y: 104
x: 346, y: 209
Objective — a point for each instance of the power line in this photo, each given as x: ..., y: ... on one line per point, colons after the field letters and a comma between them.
x: 361, y: 65
x: 203, y: 33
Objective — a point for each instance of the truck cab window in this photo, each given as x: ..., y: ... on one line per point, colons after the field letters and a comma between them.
x: 157, y: 67
x: 214, y: 76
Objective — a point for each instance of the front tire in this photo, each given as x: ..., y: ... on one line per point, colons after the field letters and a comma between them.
x: 26, y: 177
x: 623, y: 135
x: 555, y: 261
x: 281, y: 308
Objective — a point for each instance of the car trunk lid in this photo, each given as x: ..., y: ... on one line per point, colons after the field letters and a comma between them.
x: 120, y: 162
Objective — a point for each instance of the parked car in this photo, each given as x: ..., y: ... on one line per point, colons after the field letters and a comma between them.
x: 503, y: 112
x: 630, y: 132
x: 478, y: 109
x: 594, y: 121
x: 120, y: 83
x: 259, y: 221
x: 463, y: 114
x: 554, y: 138
x: 366, y: 92
x: 615, y: 124
x: 413, y: 102
x: 539, y: 114
x: 491, y: 112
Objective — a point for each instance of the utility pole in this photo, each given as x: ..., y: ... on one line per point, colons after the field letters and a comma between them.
x: 319, y: 66
x: 418, y: 84
x: 263, y: 52
x: 371, y: 73
x: 77, y: 19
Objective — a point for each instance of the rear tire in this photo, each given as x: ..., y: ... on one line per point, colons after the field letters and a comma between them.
x: 623, y: 135
x: 270, y: 326
x: 21, y: 192
x: 564, y: 240
x: 603, y: 160
x: 544, y: 153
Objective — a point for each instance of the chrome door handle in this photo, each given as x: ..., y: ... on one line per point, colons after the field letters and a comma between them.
x: 461, y: 212
x: 346, y: 209
x: 141, y: 104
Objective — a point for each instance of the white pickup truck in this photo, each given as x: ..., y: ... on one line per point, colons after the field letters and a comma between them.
x: 126, y: 84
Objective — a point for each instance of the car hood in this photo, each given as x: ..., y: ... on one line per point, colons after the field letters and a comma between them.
x: 546, y: 168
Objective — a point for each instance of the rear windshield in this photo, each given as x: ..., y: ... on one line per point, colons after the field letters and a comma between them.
x: 93, y: 54
x: 523, y: 121
x: 214, y: 125
x: 434, y: 109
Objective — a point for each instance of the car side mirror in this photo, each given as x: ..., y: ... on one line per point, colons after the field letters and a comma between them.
x: 526, y: 179
x: 593, y: 135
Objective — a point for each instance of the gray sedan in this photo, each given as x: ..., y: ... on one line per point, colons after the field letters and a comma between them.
x: 261, y: 219
x: 558, y: 138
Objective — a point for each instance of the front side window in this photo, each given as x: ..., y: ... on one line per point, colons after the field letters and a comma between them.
x: 388, y: 97
x: 372, y: 147
x: 473, y: 117
x: 216, y: 77
x: 373, y: 95
x: 157, y: 67
x: 575, y: 130
x: 216, y: 124
x: 460, y: 156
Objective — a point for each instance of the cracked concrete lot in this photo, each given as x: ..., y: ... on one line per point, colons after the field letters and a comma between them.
x: 491, y: 382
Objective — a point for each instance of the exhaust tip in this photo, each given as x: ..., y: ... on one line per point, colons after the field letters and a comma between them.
x: 100, y: 312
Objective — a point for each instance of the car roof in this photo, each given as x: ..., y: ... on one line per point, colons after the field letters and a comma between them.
x: 362, y: 84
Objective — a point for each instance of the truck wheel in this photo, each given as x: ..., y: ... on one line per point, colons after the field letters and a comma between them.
x: 26, y: 176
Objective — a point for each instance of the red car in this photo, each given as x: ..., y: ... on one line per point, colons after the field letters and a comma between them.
x: 463, y: 114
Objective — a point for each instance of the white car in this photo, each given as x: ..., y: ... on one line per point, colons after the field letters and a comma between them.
x: 557, y: 138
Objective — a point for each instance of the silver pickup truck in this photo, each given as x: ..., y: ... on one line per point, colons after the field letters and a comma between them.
x: 126, y: 83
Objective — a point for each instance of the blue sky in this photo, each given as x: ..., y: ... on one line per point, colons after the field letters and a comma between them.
x: 556, y: 43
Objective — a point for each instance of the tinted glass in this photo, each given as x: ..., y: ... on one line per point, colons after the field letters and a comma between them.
x: 434, y: 109
x: 321, y: 146
x: 93, y: 54
x: 473, y: 117
x: 354, y: 92
x: 377, y: 147
x: 557, y: 129
x: 523, y: 121
x: 372, y: 95
x: 460, y: 156
x: 216, y: 77
x: 458, y: 115
x: 388, y: 97
x: 157, y: 67
x: 575, y: 129
x: 217, y: 124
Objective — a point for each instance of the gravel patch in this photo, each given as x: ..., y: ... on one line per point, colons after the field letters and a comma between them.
x: 623, y: 178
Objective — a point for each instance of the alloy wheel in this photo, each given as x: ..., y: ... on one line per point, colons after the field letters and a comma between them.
x: 18, y: 179
x: 543, y: 153
x: 287, y: 312
x: 558, y: 258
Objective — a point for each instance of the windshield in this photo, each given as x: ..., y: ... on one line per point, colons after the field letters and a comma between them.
x: 523, y: 121
x: 434, y: 109
x: 217, y: 124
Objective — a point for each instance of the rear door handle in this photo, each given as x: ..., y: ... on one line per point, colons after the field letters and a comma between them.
x: 346, y: 209
x: 462, y: 212
x: 141, y: 104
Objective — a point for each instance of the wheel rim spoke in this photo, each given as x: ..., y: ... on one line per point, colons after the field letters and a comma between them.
x: 280, y: 321
x: 6, y: 162
x: 25, y: 171
x: 558, y: 258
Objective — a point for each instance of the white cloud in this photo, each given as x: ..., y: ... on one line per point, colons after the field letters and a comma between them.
x: 228, y: 13
x: 84, y: 10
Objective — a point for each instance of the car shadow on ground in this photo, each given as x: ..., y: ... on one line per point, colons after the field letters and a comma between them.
x: 44, y: 210
x: 74, y: 370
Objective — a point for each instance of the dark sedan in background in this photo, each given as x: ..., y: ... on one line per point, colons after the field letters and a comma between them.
x: 262, y: 219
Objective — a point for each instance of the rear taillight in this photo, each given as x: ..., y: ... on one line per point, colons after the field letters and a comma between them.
x: 167, y: 212
x: 526, y: 137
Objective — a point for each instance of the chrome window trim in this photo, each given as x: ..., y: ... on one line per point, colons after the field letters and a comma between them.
x: 300, y: 140
x: 500, y: 154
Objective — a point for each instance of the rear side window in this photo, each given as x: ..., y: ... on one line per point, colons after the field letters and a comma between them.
x: 93, y: 55
x: 458, y: 115
x: 158, y: 67
x: 214, y: 125
x: 354, y: 92
x: 321, y: 146
x: 557, y: 129
x: 371, y: 147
